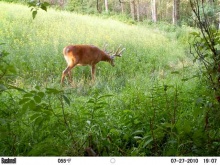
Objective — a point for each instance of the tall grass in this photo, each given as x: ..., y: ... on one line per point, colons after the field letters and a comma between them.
x: 134, y: 108
x: 36, y: 45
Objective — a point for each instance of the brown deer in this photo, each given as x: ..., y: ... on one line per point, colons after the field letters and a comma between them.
x: 86, y: 55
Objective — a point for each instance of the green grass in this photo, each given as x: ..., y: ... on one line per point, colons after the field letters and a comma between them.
x: 150, y: 108
x: 36, y: 45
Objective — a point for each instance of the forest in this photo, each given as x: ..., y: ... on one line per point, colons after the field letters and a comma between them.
x: 162, y: 97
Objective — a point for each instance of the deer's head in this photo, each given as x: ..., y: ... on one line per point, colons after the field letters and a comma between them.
x: 117, y: 53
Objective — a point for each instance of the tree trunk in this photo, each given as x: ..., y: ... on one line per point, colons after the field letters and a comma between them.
x: 153, y: 10
x: 219, y: 20
x: 122, y: 7
x: 138, y: 11
x: 176, y: 11
x: 106, y: 6
x: 132, y: 6
x: 97, y: 5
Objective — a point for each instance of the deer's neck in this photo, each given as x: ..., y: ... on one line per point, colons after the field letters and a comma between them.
x: 106, y: 57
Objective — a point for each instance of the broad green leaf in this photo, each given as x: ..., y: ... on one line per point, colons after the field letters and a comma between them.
x: 32, y: 104
x: 24, y: 100
x: 52, y: 91
x: 34, y: 13
x: 37, y: 99
x: 43, y: 7
x: 37, y: 87
x: 66, y: 99
x: 24, y: 108
x: 41, y: 94
x: 28, y: 95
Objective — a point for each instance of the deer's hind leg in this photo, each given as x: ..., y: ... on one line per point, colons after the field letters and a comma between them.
x: 68, y: 71
x: 70, y: 76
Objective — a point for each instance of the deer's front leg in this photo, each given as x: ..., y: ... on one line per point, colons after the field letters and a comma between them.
x: 93, y: 72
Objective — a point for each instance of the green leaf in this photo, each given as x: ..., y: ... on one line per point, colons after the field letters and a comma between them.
x: 137, y: 132
x: 32, y: 3
x: 39, y: 121
x: 105, y: 96
x: 52, y: 91
x: 37, y: 87
x: 136, y: 121
x: 28, y: 95
x: 2, y: 87
x: 19, y: 89
x: 33, y: 117
x: 34, y: 13
x: 43, y: 7
x: 175, y: 72
x: 25, y: 108
x: 186, y: 127
x: 185, y: 79
x: 46, y: 4
x: 196, y: 34
x: 41, y: 94
x: 32, y: 105
x: 114, y: 132
x: 37, y: 99
x: 197, y: 112
x: 66, y: 99
x: 91, y: 100
x: 137, y: 137
x: 11, y: 69
x: 147, y: 142
x: 24, y: 100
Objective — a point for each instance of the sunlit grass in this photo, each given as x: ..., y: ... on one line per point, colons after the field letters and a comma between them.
x: 36, y: 46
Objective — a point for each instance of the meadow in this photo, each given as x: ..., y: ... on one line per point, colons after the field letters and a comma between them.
x: 147, y: 105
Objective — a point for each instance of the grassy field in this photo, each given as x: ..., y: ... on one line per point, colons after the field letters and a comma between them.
x: 145, y: 105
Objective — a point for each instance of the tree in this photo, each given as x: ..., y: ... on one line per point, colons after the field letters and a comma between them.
x: 219, y: 20
x: 138, y: 10
x: 153, y: 10
x: 205, y: 49
x: 106, y: 6
x: 132, y: 7
x: 176, y: 11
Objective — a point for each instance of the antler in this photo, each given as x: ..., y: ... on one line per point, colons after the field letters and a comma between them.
x: 105, y: 46
x: 119, y: 52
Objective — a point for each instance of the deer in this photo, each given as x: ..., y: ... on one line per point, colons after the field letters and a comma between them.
x: 82, y: 55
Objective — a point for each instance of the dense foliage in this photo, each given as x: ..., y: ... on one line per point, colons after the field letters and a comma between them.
x: 155, y: 101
